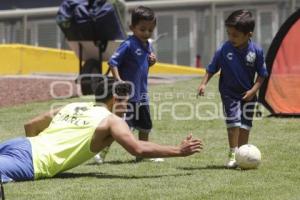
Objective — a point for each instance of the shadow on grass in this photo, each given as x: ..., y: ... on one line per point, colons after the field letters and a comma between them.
x: 70, y: 175
x: 114, y: 162
x: 203, y: 168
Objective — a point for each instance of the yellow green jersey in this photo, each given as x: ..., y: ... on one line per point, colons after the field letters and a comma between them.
x: 66, y: 142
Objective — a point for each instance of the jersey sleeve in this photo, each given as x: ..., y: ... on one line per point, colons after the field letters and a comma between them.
x: 261, y: 68
x: 118, y: 56
x: 214, y: 66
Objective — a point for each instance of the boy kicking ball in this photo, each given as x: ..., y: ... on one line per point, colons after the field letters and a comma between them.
x: 239, y: 60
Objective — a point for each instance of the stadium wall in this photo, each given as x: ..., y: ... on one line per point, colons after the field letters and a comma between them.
x: 19, y: 59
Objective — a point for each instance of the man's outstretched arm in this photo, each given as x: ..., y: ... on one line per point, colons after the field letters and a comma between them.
x: 121, y: 133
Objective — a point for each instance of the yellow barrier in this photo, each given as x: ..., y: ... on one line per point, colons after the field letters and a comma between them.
x: 24, y: 59
x: 163, y: 68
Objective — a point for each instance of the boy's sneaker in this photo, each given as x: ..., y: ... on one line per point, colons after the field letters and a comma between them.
x: 231, y: 164
x: 139, y: 159
x: 98, y: 159
x: 157, y: 159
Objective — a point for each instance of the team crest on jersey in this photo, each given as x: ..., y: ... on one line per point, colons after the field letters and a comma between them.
x: 229, y: 56
x: 250, y: 59
x: 138, y: 52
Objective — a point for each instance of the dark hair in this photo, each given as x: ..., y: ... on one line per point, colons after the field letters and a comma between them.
x: 142, y: 13
x: 241, y: 20
x: 108, y: 87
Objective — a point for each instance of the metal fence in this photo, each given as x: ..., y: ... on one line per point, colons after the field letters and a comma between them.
x: 186, y: 30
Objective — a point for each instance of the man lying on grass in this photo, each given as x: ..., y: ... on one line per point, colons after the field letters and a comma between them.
x: 64, y: 138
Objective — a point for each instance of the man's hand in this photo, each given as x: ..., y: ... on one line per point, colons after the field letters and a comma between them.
x: 249, y: 95
x: 190, y: 146
x: 152, y: 59
x: 201, y: 89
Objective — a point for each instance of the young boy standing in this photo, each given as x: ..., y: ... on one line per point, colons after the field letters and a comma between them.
x: 131, y: 62
x: 239, y: 59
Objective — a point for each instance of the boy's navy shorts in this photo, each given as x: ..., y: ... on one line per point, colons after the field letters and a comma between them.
x: 238, y: 113
x: 138, y: 116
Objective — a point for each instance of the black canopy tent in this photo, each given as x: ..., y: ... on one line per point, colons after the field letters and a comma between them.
x: 89, y: 25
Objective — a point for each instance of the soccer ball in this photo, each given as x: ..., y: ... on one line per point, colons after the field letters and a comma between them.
x: 248, y: 156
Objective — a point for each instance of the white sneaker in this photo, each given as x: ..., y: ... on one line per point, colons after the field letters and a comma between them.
x: 157, y: 159
x: 231, y: 164
x: 98, y: 159
x: 140, y: 159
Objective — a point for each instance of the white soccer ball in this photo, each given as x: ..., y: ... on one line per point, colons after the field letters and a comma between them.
x: 248, y: 156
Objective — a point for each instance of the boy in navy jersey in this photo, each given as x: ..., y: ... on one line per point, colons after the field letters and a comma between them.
x: 239, y: 59
x: 131, y: 62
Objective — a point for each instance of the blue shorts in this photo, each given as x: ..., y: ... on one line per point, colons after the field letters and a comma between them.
x: 238, y: 113
x: 16, y: 160
x: 138, y: 117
